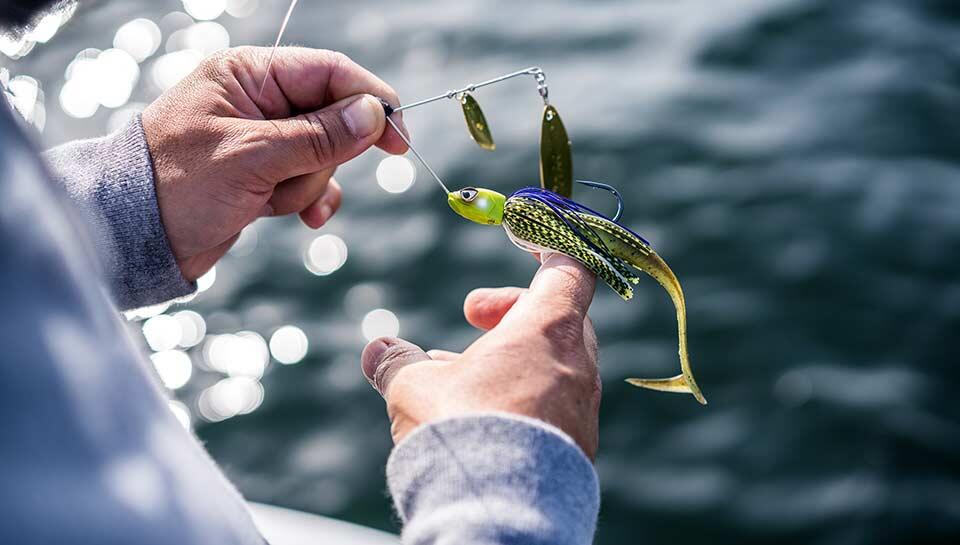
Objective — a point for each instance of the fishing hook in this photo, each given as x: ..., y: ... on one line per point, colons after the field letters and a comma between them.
x: 611, y: 189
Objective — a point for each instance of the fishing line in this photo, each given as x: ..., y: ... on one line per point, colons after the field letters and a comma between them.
x: 273, y: 52
x: 413, y: 149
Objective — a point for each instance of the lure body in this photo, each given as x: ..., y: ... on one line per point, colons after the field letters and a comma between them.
x: 539, y: 220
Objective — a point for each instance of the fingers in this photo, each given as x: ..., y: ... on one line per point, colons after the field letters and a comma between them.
x: 297, y: 193
x: 485, y: 307
x: 322, y: 139
x: 303, y: 79
x: 383, y: 358
x: 562, y: 284
x: 321, y: 210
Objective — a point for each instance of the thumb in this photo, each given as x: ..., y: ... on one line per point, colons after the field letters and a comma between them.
x: 383, y: 358
x: 562, y: 284
x: 325, y: 138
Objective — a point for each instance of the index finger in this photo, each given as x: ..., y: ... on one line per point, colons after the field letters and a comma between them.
x: 309, y: 79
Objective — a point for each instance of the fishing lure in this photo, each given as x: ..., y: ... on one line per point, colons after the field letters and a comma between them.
x: 545, y: 219
x: 539, y: 220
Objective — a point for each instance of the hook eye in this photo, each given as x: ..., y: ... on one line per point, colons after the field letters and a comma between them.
x: 468, y: 194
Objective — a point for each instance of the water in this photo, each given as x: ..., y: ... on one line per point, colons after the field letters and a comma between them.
x: 794, y: 161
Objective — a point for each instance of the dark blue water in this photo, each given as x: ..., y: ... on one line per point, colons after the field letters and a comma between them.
x: 796, y: 162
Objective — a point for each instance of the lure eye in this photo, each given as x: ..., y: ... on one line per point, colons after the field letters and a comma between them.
x: 468, y: 194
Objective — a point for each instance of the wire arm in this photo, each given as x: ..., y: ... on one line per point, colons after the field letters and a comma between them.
x: 534, y: 71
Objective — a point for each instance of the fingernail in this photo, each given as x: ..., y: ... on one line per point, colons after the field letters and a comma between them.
x: 362, y: 116
x: 266, y: 211
x: 370, y: 359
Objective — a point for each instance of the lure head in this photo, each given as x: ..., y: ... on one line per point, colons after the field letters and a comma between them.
x: 478, y: 205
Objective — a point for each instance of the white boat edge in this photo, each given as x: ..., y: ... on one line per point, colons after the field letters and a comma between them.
x: 281, y: 526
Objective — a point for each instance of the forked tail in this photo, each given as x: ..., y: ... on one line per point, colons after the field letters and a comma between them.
x: 678, y: 384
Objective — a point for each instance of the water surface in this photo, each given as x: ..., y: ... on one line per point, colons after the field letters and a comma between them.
x: 796, y: 163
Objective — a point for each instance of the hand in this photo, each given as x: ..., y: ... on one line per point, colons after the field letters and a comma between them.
x: 225, y: 155
x: 537, y: 359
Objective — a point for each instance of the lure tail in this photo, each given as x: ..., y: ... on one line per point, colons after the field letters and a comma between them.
x: 545, y: 219
x: 676, y: 384
x: 639, y: 254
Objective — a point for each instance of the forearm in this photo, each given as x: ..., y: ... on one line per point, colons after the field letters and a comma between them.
x: 493, y: 479
x: 111, y: 179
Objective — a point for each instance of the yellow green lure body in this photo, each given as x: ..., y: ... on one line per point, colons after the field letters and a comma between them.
x: 539, y: 220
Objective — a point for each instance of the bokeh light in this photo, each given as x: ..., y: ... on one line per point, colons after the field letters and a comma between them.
x: 207, y: 280
x: 289, y: 345
x: 230, y: 397
x: 379, y: 323
x: 362, y: 298
x: 76, y: 101
x: 140, y: 38
x: 204, y: 38
x: 173, y: 21
x: 325, y: 255
x: 192, y: 326
x: 27, y: 97
x: 169, y: 69
x: 98, y: 78
x: 241, y: 354
x: 118, y: 73
x: 143, y: 313
x: 162, y: 332
x: 246, y: 243
x: 242, y: 8
x: 396, y: 174
x: 173, y: 366
x: 205, y: 10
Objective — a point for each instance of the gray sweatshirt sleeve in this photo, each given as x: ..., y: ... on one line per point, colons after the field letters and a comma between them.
x: 111, y: 180
x: 491, y: 479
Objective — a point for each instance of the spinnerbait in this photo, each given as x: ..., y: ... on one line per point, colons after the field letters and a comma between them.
x: 541, y: 219
x: 545, y: 219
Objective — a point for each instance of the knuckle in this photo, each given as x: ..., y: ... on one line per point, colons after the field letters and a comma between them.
x: 564, y: 328
x: 231, y: 61
x: 247, y: 53
x: 221, y: 62
x: 322, y: 135
x: 339, y: 59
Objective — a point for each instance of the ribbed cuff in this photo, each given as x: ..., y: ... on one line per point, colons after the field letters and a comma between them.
x: 490, y: 475
x: 111, y: 178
